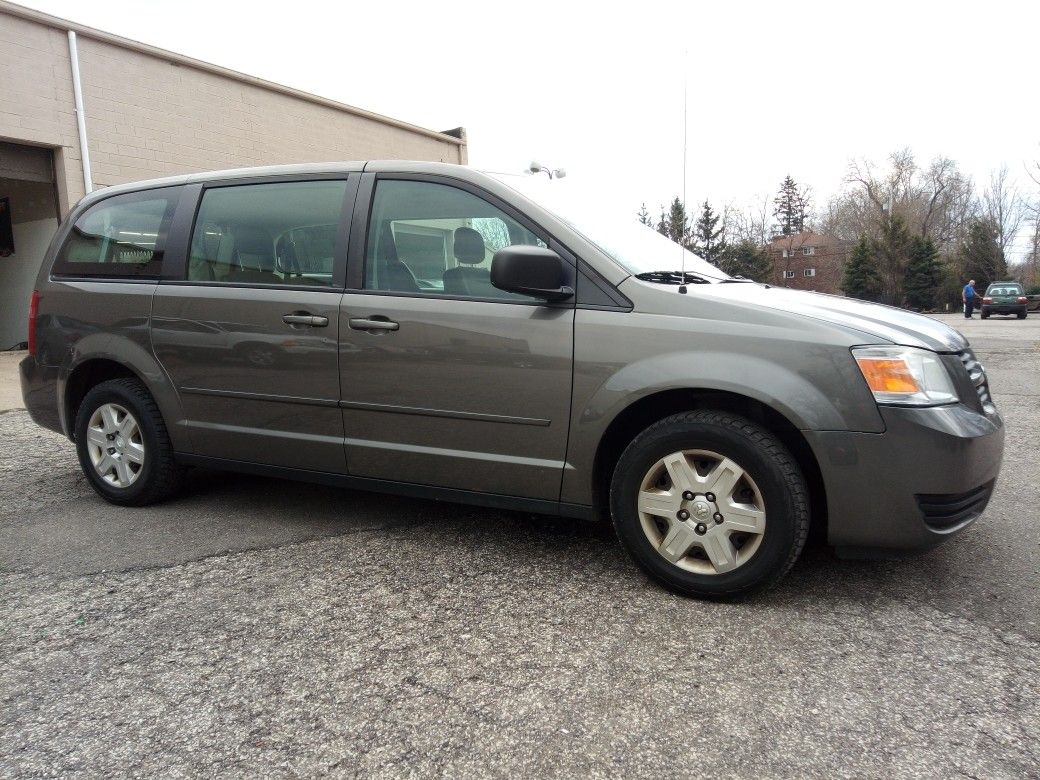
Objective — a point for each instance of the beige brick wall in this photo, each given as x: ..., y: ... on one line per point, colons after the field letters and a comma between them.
x: 36, y: 103
x: 147, y: 117
x: 150, y: 116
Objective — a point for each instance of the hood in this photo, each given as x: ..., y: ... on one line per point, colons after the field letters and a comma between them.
x: 883, y: 322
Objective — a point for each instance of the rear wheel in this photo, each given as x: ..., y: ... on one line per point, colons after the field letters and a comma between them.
x: 1022, y: 315
x: 123, y: 446
x: 984, y: 314
x: 710, y: 504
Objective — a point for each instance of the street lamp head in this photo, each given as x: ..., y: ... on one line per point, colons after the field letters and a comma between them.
x: 552, y: 173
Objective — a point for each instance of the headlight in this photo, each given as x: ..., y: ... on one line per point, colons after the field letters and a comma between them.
x: 905, y: 376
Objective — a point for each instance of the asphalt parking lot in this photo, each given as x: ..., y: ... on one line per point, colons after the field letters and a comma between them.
x: 263, y: 627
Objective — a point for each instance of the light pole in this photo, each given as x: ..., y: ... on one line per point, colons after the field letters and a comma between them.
x: 552, y: 173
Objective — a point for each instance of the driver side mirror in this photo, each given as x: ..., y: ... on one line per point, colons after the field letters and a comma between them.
x: 530, y: 270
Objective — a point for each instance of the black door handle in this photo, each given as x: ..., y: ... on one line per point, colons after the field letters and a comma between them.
x: 306, y: 319
x: 372, y: 323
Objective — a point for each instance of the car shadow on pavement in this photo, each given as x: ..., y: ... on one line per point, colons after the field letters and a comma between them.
x: 221, y: 513
x: 292, y: 511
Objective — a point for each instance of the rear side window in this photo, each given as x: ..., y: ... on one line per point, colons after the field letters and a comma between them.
x: 121, y: 236
x: 279, y: 234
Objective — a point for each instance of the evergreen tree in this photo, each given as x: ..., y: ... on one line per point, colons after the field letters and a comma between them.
x: 790, y: 207
x: 981, y: 257
x: 708, y: 238
x: 861, y: 278
x: 923, y: 274
x: 892, y: 250
x: 644, y: 216
x: 676, y: 224
x: 747, y: 259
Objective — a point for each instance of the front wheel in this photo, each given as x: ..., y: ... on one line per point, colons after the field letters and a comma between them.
x: 710, y: 504
x: 123, y: 446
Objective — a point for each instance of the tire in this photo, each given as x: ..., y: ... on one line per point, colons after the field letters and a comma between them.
x: 771, y: 484
x: 1022, y: 316
x: 984, y: 315
x: 140, y: 467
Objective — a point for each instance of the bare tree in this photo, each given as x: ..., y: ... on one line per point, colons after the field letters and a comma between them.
x: 1003, y: 206
x: 1028, y: 271
x: 947, y: 202
x: 937, y: 202
x: 750, y: 224
x: 1034, y: 171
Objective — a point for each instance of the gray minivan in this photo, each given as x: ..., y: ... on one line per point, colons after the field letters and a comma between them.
x: 426, y: 329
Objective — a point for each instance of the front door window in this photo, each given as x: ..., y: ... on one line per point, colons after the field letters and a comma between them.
x: 434, y: 239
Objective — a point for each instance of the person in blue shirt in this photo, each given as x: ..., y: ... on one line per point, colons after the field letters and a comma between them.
x: 969, y: 296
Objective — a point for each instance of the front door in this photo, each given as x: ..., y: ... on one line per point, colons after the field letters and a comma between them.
x: 446, y: 380
x: 249, y: 336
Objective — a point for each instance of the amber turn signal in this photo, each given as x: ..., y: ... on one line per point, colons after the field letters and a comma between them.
x: 887, y: 375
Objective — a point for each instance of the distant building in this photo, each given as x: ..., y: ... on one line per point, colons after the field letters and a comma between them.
x: 147, y: 113
x: 808, y: 261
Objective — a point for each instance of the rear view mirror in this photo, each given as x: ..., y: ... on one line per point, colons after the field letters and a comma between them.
x: 530, y: 270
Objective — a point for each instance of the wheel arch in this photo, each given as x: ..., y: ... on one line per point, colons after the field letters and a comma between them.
x: 90, y: 368
x: 645, y: 411
x: 85, y: 376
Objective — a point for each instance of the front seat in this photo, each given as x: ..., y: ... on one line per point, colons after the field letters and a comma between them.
x: 465, y: 279
x: 392, y: 273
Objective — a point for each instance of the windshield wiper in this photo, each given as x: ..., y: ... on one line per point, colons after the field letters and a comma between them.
x: 671, y: 277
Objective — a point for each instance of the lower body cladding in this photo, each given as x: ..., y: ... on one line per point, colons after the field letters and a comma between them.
x: 928, y: 476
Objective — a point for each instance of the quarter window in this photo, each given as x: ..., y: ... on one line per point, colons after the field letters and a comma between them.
x: 121, y: 236
x: 279, y: 234
x: 434, y: 239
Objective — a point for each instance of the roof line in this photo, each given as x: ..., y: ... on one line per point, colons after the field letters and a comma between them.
x: 154, y: 51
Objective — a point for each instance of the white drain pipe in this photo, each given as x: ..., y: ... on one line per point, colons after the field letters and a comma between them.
x: 81, y: 119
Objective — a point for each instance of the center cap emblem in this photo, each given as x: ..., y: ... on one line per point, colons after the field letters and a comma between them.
x: 701, y: 510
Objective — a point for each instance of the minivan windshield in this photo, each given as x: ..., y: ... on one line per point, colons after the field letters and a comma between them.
x: 636, y: 247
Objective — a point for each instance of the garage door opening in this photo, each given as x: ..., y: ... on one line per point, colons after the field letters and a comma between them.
x: 28, y: 219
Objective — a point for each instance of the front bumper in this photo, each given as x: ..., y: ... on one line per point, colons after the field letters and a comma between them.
x: 928, y: 476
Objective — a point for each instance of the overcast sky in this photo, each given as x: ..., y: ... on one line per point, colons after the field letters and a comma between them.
x: 774, y: 88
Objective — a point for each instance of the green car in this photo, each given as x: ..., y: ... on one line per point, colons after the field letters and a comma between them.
x: 1004, y: 298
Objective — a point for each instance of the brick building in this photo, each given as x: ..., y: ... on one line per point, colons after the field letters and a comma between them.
x: 808, y: 261
x: 146, y: 113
